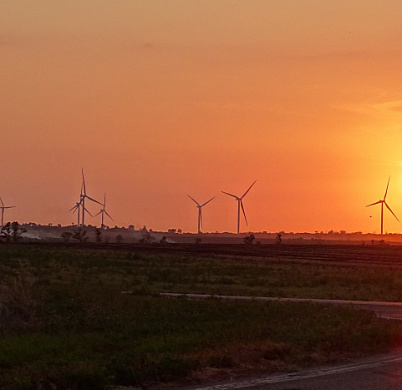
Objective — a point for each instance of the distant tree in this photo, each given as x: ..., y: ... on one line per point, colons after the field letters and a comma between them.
x: 119, y: 239
x: 179, y: 231
x: 66, y: 236
x: 198, y: 240
x: 6, y: 232
x: 163, y: 240
x: 278, y: 239
x: 98, y: 235
x: 146, y: 238
x: 131, y: 227
x: 80, y: 235
x: 171, y: 231
x: 17, y: 231
x: 248, y: 240
x: 12, y: 231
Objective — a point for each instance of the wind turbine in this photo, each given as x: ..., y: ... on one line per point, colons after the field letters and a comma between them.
x: 80, y: 206
x: 383, y: 202
x: 103, y: 211
x: 77, y: 207
x: 240, y: 205
x: 83, y: 197
x: 200, y: 206
x: 2, y: 211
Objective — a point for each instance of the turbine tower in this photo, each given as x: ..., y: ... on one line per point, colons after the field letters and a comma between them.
x: 2, y: 211
x: 103, y: 211
x: 383, y: 202
x: 240, y: 205
x: 200, y: 206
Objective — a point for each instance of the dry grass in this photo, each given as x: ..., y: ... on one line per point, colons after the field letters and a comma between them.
x: 19, y: 310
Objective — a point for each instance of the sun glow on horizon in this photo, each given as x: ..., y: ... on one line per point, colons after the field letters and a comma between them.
x: 158, y: 101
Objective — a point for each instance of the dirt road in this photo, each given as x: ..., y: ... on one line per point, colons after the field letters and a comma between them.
x: 381, y: 372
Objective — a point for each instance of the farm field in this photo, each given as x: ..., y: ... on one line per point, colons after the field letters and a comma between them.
x: 88, y: 317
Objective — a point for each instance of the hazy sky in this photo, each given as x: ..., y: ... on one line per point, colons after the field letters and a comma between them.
x: 160, y: 99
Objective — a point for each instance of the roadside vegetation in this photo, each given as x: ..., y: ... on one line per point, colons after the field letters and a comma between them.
x: 91, y: 318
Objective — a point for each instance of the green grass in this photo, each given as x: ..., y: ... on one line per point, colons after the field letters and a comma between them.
x: 65, y: 323
x: 145, y: 273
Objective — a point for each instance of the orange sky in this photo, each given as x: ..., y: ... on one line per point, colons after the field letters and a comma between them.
x: 160, y: 99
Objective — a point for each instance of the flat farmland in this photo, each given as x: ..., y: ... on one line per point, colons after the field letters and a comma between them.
x: 91, y: 316
x: 333, y: 272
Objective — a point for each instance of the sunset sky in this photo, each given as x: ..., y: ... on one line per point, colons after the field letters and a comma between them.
x: 160, y: 99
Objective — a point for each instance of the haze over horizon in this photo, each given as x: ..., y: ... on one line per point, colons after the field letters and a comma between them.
x: 159, y: 100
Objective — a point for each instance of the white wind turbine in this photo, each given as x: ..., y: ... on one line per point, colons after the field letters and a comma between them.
x: 200, y: 206
x: 383, y: 202
x: 2, y: 211
x: 240, y: 205
x: 103, y: 211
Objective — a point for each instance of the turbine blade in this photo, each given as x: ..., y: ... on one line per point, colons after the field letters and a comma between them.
x: 248, y: 190
x: 389, y: 208
x: 98, y: 213
x: 75, y: 207
x: 385, y: 195
x: 108, y: 215
x: 85, y: 209
x: 244, y: 213
x: 104, y: 199
x: 372, y: 204
x: 193, y: 200
x: 8, y: 207
x: 207, y: 202
x: 93, y: 200
x: 1, y: 200
x: 227, y: 193
x: 83, y: 182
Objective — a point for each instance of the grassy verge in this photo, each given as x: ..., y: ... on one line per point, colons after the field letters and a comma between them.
x: 65, y: 323
x: 89, y: 341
